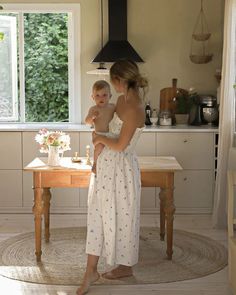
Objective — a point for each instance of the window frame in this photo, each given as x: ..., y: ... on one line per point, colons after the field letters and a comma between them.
x: 74, y: 49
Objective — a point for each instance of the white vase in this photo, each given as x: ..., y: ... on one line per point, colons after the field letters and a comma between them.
x: 53, y: 156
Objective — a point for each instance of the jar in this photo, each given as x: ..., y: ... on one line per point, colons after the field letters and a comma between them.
x: 154, y: 117
x: 165, y: 118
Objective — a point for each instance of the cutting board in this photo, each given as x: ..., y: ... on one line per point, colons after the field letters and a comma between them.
x: 168, y: 95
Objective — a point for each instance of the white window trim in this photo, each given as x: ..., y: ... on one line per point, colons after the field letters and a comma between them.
x: 22, y: 69
x: 74, y: 36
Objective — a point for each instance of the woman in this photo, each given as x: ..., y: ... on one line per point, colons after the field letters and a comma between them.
x: 114, y: 194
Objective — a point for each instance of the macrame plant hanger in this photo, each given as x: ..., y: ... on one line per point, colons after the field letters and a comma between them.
x: 200, y: 38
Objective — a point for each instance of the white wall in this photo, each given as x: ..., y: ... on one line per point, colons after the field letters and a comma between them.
x: 160, y: 31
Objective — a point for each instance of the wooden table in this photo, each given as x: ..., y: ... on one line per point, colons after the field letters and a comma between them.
x: 155, y: 172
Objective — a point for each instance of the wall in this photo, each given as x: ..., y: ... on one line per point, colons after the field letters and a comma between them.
x: 161, y: 32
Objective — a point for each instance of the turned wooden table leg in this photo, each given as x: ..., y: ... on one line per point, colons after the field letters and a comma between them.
x: 38, y: 211
x: 162, y: 214
x: 46, y: 201
x: 169, y: 210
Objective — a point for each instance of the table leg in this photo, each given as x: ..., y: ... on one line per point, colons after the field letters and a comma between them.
x: 162, y: 214
x: 169, y: 210
x: 46, y: 201
x: 38, y: 211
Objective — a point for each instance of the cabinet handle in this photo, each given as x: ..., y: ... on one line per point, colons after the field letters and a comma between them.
x: 185, y: 140
x: 185, y: 178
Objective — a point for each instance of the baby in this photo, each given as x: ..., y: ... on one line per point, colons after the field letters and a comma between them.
x: 100, y: 114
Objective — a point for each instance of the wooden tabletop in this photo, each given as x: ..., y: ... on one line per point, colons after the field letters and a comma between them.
x: 146, y: 164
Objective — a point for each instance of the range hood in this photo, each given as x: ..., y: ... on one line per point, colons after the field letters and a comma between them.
x: 117, y: 46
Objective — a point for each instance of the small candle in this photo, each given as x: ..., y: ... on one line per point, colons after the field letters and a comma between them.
x: 88, y: 154
x: 87, y: 149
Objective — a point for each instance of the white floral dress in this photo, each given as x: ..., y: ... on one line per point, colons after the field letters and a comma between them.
x: 114, y: 203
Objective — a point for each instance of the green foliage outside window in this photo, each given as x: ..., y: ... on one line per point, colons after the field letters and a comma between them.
x: 46, y: 67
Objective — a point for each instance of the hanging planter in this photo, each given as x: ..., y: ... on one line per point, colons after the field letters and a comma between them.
x: 201, y: 59
x: 201, y: 36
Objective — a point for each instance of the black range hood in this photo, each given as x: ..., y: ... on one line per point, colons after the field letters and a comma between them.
x: 117, y: 46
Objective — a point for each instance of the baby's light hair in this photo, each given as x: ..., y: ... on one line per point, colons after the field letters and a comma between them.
x: 100, y: 84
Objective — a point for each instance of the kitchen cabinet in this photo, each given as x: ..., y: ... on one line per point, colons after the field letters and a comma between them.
x: 10, y: 170
x: 194, y: 186
x: 11, y: 190
x: 193, y: 150
x: 10, y: 150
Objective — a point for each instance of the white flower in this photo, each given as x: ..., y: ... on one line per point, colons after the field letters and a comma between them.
x: 55, y: 138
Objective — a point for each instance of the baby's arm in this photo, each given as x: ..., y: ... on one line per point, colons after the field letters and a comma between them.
x: 91, y: 116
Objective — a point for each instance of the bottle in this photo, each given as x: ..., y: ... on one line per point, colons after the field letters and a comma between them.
x: 148, y: 114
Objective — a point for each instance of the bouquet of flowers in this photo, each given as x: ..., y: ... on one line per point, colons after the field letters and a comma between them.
x: 48, y: 138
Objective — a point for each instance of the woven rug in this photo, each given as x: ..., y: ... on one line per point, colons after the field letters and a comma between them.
x: 64, y: 259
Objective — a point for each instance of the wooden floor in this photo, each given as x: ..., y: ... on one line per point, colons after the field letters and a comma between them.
x: 215, y: 284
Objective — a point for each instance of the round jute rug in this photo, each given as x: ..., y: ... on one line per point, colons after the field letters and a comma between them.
x: 64, y: 259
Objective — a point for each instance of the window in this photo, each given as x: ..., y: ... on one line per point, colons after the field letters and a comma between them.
x: 38, y: 74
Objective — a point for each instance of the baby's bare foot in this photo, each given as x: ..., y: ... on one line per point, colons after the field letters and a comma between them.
x: 121, y: 271
x: 89, y: 279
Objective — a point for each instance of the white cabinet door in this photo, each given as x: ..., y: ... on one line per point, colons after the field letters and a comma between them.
x: 10, y: 150
x: 192, y: 150
x: 194, y: 190
x: 10, y: 188
x: 146, y: 145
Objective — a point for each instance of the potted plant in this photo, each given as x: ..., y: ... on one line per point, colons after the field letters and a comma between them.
x: 184, y: 101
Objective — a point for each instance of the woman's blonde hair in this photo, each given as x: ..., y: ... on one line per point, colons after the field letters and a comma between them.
x: 129, y: 72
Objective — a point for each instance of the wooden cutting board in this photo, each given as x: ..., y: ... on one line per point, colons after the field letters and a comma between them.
x: 168, y: 95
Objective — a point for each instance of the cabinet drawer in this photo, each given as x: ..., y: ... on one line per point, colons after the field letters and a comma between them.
x: 192, y: 150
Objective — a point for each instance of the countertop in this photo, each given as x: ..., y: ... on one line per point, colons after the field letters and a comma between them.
x: 23, y: 127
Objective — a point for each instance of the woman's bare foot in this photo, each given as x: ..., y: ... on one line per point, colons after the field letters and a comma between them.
x: 89, y: 279
x: 121, y: 271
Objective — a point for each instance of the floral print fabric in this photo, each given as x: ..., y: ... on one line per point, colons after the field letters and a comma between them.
x: 114, y: 203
